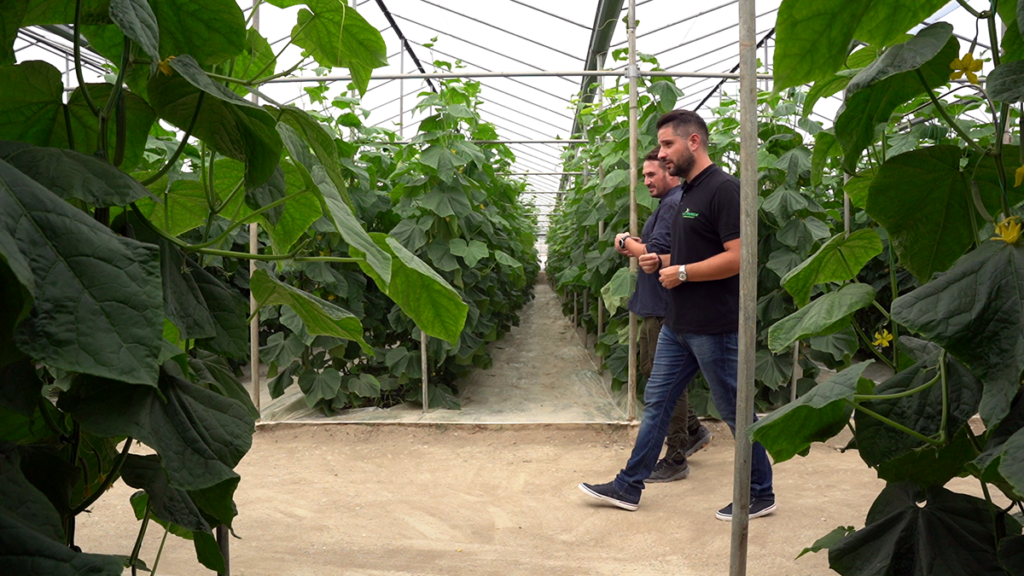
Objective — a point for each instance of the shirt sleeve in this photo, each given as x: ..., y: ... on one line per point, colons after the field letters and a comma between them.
x: 726, y: 206
x: 660, y: 241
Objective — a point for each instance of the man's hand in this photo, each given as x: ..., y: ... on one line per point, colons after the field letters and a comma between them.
x: 649, y: 263
x: 618, y: 243
x: 670, y: 277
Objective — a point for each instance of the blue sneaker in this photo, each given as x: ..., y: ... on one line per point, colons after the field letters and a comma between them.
x: 758, y: 507
x: 609, y: 493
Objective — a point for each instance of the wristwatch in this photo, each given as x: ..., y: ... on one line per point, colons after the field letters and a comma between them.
x: 622, y: 242
x: 682, y: 273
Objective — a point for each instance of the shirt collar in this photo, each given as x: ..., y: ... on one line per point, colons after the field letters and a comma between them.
x: 701, y: 177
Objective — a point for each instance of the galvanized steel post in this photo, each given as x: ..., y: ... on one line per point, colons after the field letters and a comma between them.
x: 632, y: 73
x: 748, y: 288
x: 254, y: 248
x: 424, y: 368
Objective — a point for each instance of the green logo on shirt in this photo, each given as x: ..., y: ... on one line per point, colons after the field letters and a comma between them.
x: 687, y: 214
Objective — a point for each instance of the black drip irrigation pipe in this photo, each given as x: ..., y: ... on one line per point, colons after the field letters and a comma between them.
x: 405, y: 43
x: 733, y: 71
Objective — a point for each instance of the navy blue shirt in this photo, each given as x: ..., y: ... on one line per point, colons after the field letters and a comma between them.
x: 651, y: 298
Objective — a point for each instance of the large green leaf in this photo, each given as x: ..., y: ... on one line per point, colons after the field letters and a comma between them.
x: 211, y: 31
x: 17, y: 289
x: 63, y: 12
x: 31, y: 536
x: 892, y: 80
x: 619, y: 289
x: 139, y: 118
x: 838, y: 260
x: 200, y: 435
x: 166, y: 502
x: 472, y: 251
x: 951, y: 535
x: 335, y: 207
x: 825, y: 315
x: 1004, y: 84
x: 229, y: 312
x: 322, y: 143
x: 73, y: 175
x: 337, y: 36
x: 814, y: 36
x: 446, y: 203
x: 227, y: 122
x: 213, y: 371
x: 32, y: 108
x: 976, y: 311
x: 924, y: 201
x: 442, y: 160
x: 97, y: 301
x: 320, y: 316
x: 814, y: 417
x: 183, y: 207
x: 135, y: 18
x: 1002, y: 461
x: 317, y: 386
x: 421, y: 293
x: 11, y: 14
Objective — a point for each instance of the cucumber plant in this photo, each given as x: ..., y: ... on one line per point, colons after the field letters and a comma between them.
x: 123, y: 272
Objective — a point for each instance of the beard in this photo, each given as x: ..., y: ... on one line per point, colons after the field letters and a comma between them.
x: 681, y: 166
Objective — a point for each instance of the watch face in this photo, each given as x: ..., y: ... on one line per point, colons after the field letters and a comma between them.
x: 682, y: 274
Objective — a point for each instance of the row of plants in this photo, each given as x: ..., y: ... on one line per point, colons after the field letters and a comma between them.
x: 124, y: 264
x: 444, y: 199
x: 927, y: 282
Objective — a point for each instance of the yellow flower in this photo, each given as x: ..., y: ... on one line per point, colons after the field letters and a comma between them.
x: 165, y: 65
x: 882, y: 338
x: 1008, y: 230
x: 1019, y: 177
x: 966, y: 65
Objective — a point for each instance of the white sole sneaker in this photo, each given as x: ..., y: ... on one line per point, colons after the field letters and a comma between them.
x: 613, y: 501
x: 763, y: 512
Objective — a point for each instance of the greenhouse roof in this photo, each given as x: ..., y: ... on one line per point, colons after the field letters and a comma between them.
x: 521, y: 36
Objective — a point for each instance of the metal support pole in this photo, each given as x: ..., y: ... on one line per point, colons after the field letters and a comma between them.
x: 600, y: 303
x: 748, y: 288
x: 423, y: 367
x: 401, y: 93
x: 631, y: 73
x: 254, y: 248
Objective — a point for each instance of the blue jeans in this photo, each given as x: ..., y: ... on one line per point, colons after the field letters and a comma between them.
x: 676, y: 361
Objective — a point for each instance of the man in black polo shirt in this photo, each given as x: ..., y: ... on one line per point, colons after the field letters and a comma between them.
x: 700, y: 332
x: 686, y: 434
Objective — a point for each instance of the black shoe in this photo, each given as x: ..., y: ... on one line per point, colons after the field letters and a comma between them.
x: 699, y: 439
x: 758, y: 507
x: 666, y: 471
x: 609, y: 493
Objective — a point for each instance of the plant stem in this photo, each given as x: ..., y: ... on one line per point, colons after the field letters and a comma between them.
x: 115, y: 95
x: 181, y: 147
x: 78, y: 60
x: 895, y: 288
x: 898, y: 395
x: 112, y: 477
x: 945, y: 396
x: 966, y: 6
x: 283, y: 48
x: 945, y: 116
x: 48, y: 419
x: 230, y: 197
x: 252, y: 13
x: 882, y: 310
x: 138, y: 541
x: 236, y: 225
x: 894, y: 424
x: 329, y: 259
x: 992, y: 512
x: 259, y: 81
x: 864, y: 337
x: 159, y: 552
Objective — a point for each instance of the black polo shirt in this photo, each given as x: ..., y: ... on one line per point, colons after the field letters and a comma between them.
x: 708, y: 216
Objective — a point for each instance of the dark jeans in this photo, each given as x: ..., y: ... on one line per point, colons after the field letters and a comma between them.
x: 684, y: 420
x: 679, y: 358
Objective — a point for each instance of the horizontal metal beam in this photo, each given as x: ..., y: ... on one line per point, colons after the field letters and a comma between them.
x: 404, y: 142
x: 517, y: 74
x: 538, y: 173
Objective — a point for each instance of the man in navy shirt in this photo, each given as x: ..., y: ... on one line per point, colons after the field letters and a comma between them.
x: 686, y: 435
x: 700, y: 331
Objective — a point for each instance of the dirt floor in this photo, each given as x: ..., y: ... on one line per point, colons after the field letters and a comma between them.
x: 415, y: 497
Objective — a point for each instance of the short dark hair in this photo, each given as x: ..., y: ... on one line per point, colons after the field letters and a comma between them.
x: 684, y: 123
x: 652, y: 156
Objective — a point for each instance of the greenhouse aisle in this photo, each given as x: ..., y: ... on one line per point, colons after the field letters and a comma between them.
x: 542, y: 374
